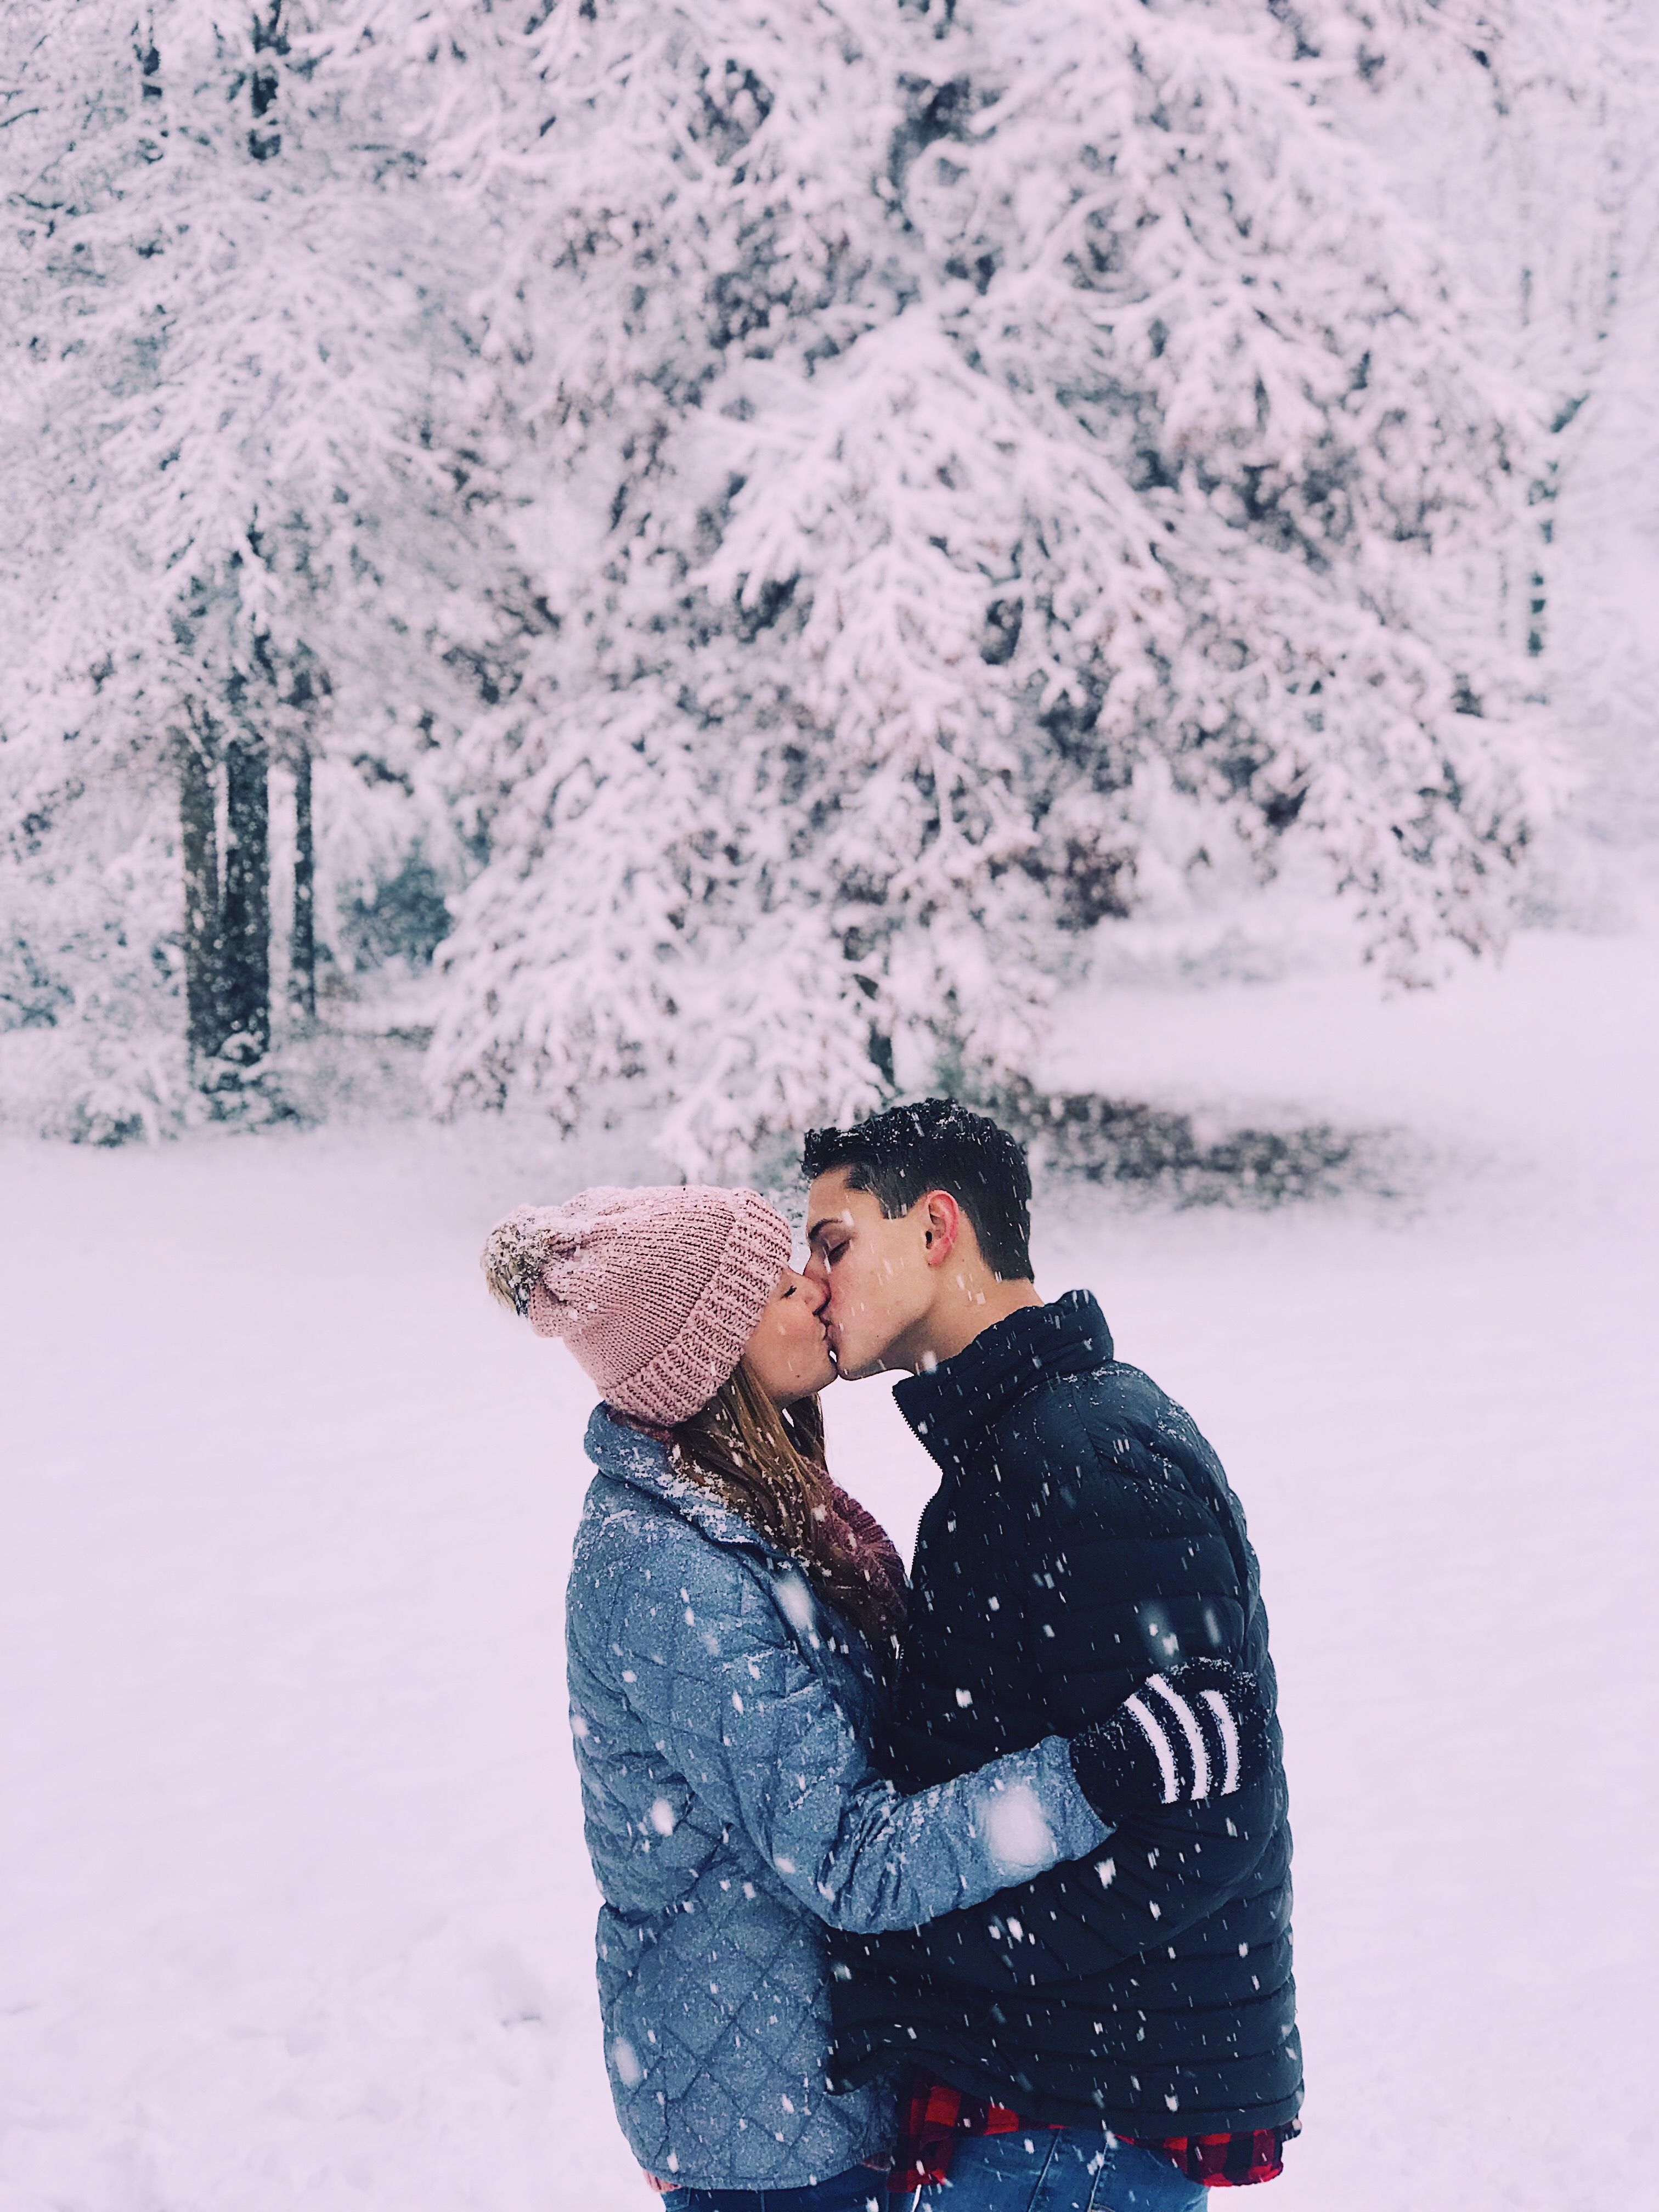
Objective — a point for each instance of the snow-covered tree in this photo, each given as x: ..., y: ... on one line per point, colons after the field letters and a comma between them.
x: 990, y: 466
x: 817, y: 505
x: 242, y: 525
x: 1529, y: 137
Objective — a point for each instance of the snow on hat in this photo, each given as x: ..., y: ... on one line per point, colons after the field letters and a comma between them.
x: 655, y: 1291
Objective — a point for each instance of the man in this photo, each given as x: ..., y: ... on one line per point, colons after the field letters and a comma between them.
x: 1121, y: 2030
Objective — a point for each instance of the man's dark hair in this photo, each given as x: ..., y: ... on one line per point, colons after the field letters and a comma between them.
x: 937, y: 1145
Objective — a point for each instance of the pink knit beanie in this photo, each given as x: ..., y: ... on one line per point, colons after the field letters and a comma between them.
x: 655, y: 1291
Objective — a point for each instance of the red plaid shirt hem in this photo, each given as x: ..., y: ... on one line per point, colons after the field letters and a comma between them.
x: 937, y: 2117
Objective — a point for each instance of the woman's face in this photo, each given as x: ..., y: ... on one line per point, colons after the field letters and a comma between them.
x: 788, y: 1350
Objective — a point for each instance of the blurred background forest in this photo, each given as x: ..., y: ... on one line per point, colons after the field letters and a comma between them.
x: 715, y: 558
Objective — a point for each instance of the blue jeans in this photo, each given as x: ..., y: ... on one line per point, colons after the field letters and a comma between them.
x: 863, y: 2190
x: 1060, y: 2169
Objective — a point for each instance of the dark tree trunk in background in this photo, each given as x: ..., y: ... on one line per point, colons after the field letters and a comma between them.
x: 224, y: 816
x: 264, y: 140
x: 302, y: 938
x: 204, y: 927
x: 246, y: 900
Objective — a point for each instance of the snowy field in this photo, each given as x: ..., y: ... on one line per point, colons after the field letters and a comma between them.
x: 294, y: 1907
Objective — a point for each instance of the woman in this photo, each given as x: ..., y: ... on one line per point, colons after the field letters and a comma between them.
x: 731, y: 1619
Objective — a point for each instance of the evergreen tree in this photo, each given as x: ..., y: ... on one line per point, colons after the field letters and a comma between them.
x: 1528, y: 137
x: 1009, y: 461
x: 242, y: 530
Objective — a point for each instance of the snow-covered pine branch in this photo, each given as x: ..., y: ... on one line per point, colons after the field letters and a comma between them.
x: 994, y: 466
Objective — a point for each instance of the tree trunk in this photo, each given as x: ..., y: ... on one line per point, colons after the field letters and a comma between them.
x: 302, y: 937
x: 264, y: 140
x: 203, y: 918
x: 247, y: 901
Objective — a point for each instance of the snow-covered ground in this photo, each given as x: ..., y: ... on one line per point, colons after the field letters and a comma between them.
x: 294, y: 1908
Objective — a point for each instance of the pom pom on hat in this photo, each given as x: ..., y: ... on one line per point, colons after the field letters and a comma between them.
x: 656, y: 1290
x: 514, y: 1257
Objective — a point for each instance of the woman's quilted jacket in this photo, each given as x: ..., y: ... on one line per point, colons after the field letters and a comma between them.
x: 721, y: 1716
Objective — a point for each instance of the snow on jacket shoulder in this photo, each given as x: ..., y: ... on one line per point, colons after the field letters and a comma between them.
x: 722, y: 1717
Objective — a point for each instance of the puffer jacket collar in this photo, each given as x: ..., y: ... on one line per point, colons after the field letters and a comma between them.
x: 625, y: 1454
x: 952, y: 1408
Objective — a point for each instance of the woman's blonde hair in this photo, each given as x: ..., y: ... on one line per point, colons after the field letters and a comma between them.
x: 766, y: 1463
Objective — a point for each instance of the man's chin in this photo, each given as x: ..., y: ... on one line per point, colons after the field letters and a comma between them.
x: 851, y: 1372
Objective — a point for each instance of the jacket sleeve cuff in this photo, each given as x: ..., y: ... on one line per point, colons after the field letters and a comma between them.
x: 1079, y: 1829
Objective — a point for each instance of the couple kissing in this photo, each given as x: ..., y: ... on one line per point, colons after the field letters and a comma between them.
x: 974, y: 1883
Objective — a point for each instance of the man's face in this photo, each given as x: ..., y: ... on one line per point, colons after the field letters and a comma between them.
x: 875, y: 1270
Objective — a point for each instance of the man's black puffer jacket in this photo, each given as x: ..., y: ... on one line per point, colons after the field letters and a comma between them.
x: 1082, y: 1536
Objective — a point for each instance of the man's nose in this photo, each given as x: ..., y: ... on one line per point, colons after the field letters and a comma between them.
x: 818, y: 1288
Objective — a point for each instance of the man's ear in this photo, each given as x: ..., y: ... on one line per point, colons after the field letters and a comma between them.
x: 941, y: 1221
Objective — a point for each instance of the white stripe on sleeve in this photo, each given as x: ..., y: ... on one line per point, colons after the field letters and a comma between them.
x: 1218, y: 1706
x: 1193, y: 1734
x: 1164, y: 1751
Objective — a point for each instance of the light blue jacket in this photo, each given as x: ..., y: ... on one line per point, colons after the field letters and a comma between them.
x: 721, y: 1715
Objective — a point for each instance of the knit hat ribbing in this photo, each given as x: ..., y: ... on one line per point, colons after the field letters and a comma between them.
x: 655, y: 1291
